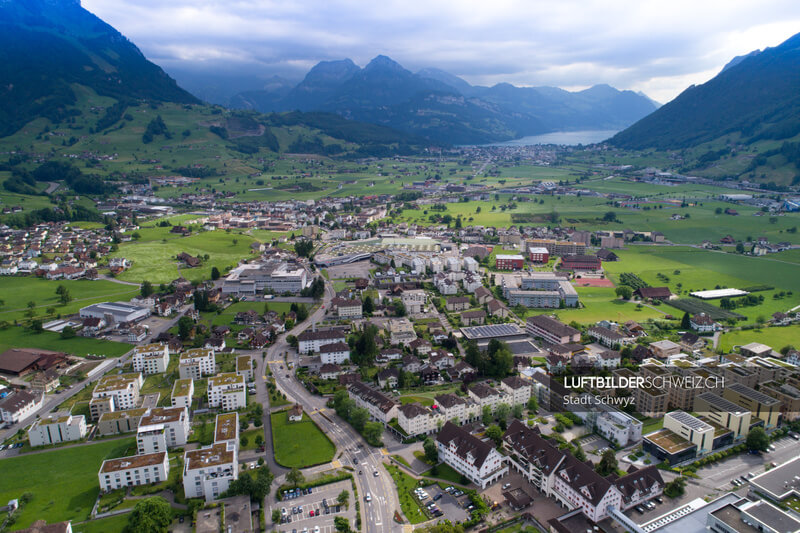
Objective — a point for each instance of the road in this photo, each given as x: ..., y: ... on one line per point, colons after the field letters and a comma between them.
x: 377, y: 516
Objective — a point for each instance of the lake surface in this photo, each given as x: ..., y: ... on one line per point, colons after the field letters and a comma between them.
x: 568, y: 138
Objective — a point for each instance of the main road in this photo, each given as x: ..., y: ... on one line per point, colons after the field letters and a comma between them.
x: 377, y: 515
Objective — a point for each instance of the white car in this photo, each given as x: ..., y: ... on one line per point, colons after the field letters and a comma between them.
x: 368, y: 498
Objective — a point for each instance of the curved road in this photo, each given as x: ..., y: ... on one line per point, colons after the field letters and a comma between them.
x: 377, y: 516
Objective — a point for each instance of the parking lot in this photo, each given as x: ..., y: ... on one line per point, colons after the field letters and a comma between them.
x: 301, y: 520
x: 451, y: 507
x: 359, y: 269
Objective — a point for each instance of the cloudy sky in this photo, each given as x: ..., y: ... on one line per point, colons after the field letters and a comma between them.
x: 653, y: 46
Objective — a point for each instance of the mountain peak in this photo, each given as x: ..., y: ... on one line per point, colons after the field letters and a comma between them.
x: 383, y: 62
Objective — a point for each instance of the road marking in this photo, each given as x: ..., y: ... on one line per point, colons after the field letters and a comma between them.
x: 336, y: 464
x: 384, y: 451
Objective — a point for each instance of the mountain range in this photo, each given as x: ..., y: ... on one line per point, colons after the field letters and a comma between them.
x: 440, y: 106
x: 755, y: 97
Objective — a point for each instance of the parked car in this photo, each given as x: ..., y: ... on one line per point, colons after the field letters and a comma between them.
x: 437, y: 497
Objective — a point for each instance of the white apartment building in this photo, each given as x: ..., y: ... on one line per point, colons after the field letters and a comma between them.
x: 380, y: 407
x: 475, y: 459
x: 151, y: 439
x: 132, y: 471
x: 484, y: 395
x: 208, y: 472
x: 59, y: 428
x: 173, y: 420
x: 414, y: 301
x: 619, y: 427
x: 455, y: 407
x: 310, y: 341
x: 470, y: 265
x: 182, y: 393
x: 227, y: 391
x: 347, y: 309
x: 151, y: 358
x: 336, y: 353
x: 517, y: 388
x: 244, y: 367
x: 116, y: 392
x: 401, y: 331
x: 196, y: 363
x: 20, y: 405
x: 416, y: 419
x: 226, y: 427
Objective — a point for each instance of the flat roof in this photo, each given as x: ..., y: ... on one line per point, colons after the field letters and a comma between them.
x: 227, y: 378
x: 753, y: 394
x: 181, y: 387
x: 780, y: 482
x: 225, y: 427
x: 669, y: 441
x: 116, y: 381
x: 491, y: 331
x: 220, y: 453
x: 689, y: 421
x: 721, y: 403
x: 133, y: 461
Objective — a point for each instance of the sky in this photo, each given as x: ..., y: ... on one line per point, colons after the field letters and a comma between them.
x: 657, y: 47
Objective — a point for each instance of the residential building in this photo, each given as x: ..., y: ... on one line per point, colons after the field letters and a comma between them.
x: 151, y: 358
x: 196, y: 363
x: 244, y: 367
x: 559, y: 248
x: 330, y: 371
x: 484, y: 395
x: 702, y: 323
x: 57, y: 428
x: 509, y: 262
x: 310, y: 341
x: 115, y: 392
x: 610, y: 338
x: 650, y: 401
x: 618, y: 427
x: 227, y: 391
x: 692, y: 429
x: 457, y: 303
x: 182, y: 393
x: 787, y: 394
x: 133, y: 471
x: 473, y: 458
x: 46, y: 381
x: 380, y: 406
x: 760, y: 405
x: 538, y: 255
x: 517, y: 388
x: 208, y: 472
x: 20, y: 405
x: 723, y: 413
x: 347, y: 309
x: 173, y: 422
x: 401, y: 331
x: 226, y: 427
x: 414, y: 301
x: 665, y: 348
x: 335, y: 353
x: 551, y: 330
x: 415, y: 419
x: 473, y: 318
x: 456, y: 408
x: 116, y: 422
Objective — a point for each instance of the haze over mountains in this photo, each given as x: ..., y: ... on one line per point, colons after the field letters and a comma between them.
x: 440, y: 106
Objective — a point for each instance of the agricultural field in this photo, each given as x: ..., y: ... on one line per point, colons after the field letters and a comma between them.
x: 776, y: 337
x: 17, y: 292
x: 601, y: 303
x: 19, y: 337
x: 685, y: 270
x: 63, y: 482
x: 299, y: 444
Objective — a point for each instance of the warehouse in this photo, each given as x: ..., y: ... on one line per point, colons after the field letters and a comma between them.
x: 115, y: 312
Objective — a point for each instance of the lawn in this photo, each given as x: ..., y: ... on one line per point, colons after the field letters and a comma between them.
x: 63, y: 481
x: 420, y: 399
x: 776, y: 337
x: 226, y: 317
x: 154, y: 259
x: 601, y: 303
x: 19, y: 337
x: 405, y: 490
x: 16, y: 292
x: 299, y: 444
x: 444, y: 471
x: 251, y: 435
x: 102, y: 525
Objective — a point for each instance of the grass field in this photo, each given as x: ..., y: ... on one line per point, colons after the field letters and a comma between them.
x: 226, y: 317
x: 444, y: 471
x: 299, y: 444
x: 405, y: 486
x: 16, y: 292
x: 776, y: 337
x: 102, y: 525
x: 153, y: 256
x: 600, y: 303
x: 63, y: 481
x: 19, y: 337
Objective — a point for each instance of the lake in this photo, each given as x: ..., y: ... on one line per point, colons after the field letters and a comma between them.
x: 568, y: 138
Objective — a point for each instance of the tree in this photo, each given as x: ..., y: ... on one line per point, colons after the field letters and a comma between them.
x: 244, y: 441
x: 495, y: 433
x: 369, y: 305
x: 579, y: 454
x: 533, y: 405
x: 295, y: 477
x: 739, y: 248
x: 503, y: 412
x: 67, y: 333
x: 624, y: 292
x: 610, y: 216
x: 31, y: 309
x: 276, y: 515
x: 607, y: 464
x: 431, y: 451
x: 215, y: 273
x: 303, y: 247
x: 373, y: 432
x: 517, y: 411
x: 343, y: 498
x: 675, y: 488
x: 399, y: 307
x: 146, y: 289
x: 757, y: 440
x: 185, y: 327
x: 359, y: 418
x: 341, y: 524
x: 486, y: 416
x: 686, y: 321
x: 151, y: 515
x: 65, y: 297
x: 259, y: 440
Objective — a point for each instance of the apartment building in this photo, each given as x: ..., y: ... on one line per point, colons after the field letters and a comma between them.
x: 115, y: 392
x: 484, y: 395
x: 151, y: 358
x: 227, y: 391
x: 509, y: 262
x: 335, y: 353
x: 559, y: 248
x: 760, y: 405
x: 518, y: 389
x: 618, y: 427
x: 20, y: 405
x: 401, y: 331
x: 116, y: 422
x: 347, y: 309
x: 609, y: 338
x: 415, y: 419
x: 57, y: 428
x: 473, y: 458
x: 788, y: 395
x: 454, y: 407
x: 414, y: 301
x: 182, y: 393
x: 132, y: 471
x: 724, y: 413
x: 650, y: 401
x: 196, y: 363
x: 310, y: 341
x: 173, y: 420
x: 551, y: 330
x: 208, y: 472
x: 244, y: 367
x: 381, y: 407
x: 226, y: 427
